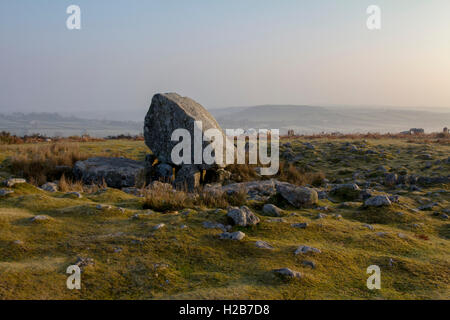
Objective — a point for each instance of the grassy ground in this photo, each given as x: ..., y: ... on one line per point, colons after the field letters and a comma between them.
x: 134, y: 261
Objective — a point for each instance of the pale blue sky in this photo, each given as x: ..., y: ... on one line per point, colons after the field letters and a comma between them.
x: 223, y: 53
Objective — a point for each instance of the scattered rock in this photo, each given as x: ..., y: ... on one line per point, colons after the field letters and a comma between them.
x: 263, y: 245
x: 349, y: 191
x: 103, y: 207
x: 300, y: 225
x: 215, y: 225
x: 368, y: 226
x: 40, y: 218
x: 276, y: 220
x: 390, y: 179
x: 242, y: 216
x: 306, y: 249
x: 272, y: 210
x: 84, y: 262
x: 428, y: 207
x: 297, y: 196
x: 232, y: 236
x: 286, y: 272
x: 133, y: 191
x: 13, y: 181
x: 378, y: 201
x: 50, y: 187
x: 159, y: 226
x: 308, y: 263
x: 75, y: 194
x: 4, y: 192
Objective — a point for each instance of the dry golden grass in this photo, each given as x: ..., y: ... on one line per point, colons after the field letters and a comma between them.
x: 161, y: 197
x: 292, y: 174
x: 68, y: 185
x: 39, y: 163
x: 438, y: 138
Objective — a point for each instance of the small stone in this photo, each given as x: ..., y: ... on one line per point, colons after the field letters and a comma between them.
x: 214, y: 225
x: 18, y: 242
x: 428, y: 206
x: 75, y: 194
x: 183, y: 226
x: 242, y: 216
x: 368, y: 226
x: 402, y: 236
x: 103, y: 207
x: 272, y: 210
x: 276, y: 220
x: 391, y: 262
x: 378, y: 201
x: 50, y: 187
x: 263, y: 245
x: 4, y: 192
x: 444, y: 216
x: 40, y: 218
x: 84, y: 262
x: 232, y: 236
x: 286, y: 272
x: 300, y: 225
x: 159, y: 226
x: 306, y: 249
x: 13, y: 181
x: 321, y: 216
x: 311, y: 264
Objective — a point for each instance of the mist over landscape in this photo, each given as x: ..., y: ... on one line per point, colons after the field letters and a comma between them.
x: 302, y: 119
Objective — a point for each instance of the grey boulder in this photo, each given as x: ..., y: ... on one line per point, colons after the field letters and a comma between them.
x: 169, y: 112
x: 50, y: 187
x: 232, y: 236
x: 242, y: 216
x: 378, y: 201
x: 116, y: 172
x: 297, y: 196
x: 286, y: 272
x: 272, y: 210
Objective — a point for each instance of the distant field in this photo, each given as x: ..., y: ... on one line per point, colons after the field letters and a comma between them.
x: 132, y: 260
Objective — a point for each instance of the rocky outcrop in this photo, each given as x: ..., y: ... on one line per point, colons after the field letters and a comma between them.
x: 116, y: 172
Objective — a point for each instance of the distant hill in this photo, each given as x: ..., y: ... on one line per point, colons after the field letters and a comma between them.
x: 53, y: 124
x: 303, y: 119
x: 310, y: 119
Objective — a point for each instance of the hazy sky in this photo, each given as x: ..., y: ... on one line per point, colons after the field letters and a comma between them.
x: 222, y: 53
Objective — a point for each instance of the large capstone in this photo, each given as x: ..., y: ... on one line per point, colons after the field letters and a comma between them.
x: 169, y: 112
x: 116, y: 172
